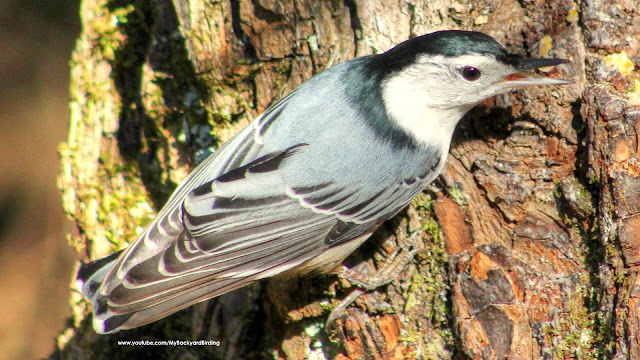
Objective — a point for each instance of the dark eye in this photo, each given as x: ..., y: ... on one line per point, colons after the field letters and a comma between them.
x: 470, y: 73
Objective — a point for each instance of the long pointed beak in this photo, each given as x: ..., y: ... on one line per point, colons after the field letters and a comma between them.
x: 523, y: 78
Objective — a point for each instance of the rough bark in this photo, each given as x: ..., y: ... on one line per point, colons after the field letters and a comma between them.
x: 531, y: 235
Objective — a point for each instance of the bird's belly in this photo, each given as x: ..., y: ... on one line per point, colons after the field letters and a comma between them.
x: 332, y: 258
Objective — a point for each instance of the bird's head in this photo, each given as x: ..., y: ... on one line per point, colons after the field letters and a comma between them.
x: 440, y: 76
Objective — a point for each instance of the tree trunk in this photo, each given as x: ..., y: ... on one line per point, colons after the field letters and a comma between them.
x: 531, y: 236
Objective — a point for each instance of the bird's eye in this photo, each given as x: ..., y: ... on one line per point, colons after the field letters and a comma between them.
x: 470, y: 73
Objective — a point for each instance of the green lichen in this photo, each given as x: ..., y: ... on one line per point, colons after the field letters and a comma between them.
x: 576, y: 195
x: 573, y: 335
x: 231, y: 100
x: 106, y: 32
x: 457, y: 195
x: 429, y: 287
x: 124, y: 211
x: 586, y: 330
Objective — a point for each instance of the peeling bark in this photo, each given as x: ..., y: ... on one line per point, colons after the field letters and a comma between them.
x: 531, y: 235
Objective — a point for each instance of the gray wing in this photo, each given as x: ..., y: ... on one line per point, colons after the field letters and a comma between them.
x: 165, y: 229
x: 246, y: 225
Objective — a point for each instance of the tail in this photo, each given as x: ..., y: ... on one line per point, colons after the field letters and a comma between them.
x: 88, y: 281
x: 162, y: 301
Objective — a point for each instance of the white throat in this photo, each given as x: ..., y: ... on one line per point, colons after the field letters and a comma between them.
x: 411, y: 108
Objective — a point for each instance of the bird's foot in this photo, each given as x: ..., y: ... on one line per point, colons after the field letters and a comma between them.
x: 386, y: 273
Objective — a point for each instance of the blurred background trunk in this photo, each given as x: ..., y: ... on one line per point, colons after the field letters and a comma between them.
x: 531, y: 234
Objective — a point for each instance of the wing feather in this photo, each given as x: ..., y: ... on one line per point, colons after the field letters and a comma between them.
x: 167, y: 226
x: 228, y: 241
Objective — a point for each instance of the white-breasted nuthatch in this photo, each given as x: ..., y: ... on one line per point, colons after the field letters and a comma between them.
x: 309, y: 180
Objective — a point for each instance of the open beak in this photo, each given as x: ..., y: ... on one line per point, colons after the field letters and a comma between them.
x: 523, y: 77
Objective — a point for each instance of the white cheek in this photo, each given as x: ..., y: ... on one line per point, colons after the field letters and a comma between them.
x: 430, y: 116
